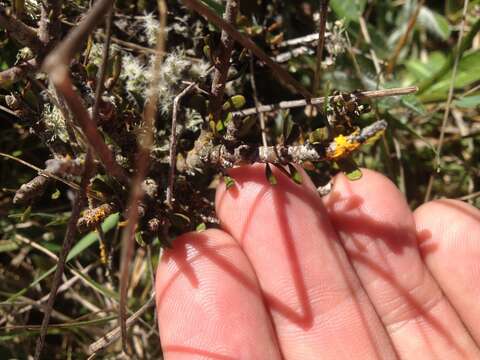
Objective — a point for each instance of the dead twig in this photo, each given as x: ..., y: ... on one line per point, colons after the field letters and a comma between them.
x: 103, y: 69
x: 373, y: 94
x: 17, y: 72
x: 320, y: 44
x: 78, y: 204
x: 222, y: 60
x: 114, y: 334
x: 257, y: 102
x: 136, y: 193
x: 173, y: 143
x: 281, y: 154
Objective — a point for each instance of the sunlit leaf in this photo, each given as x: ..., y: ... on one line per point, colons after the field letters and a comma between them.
x: 229, y: 182
x: 269, y: 174
x: 236, y: 102
x: 201, y: 227
x: 295, y: 174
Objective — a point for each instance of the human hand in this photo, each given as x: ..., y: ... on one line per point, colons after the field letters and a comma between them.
x: 355, y: 275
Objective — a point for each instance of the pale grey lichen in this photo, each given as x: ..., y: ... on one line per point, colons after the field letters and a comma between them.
x: 176, y: 68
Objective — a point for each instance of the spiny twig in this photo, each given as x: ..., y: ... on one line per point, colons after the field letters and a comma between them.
x: 321, y: 100
x: 222, y: 61
x: 281, y: 154
x: 78, y: 204
x: 173, y: 143
x: 146, y: 139
x: 246, y: 42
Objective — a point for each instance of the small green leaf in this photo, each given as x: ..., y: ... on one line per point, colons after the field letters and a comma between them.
x: 247, y: 125
x: 26, y: 214
x: 236, y: 102
x: 207, y: 52
x: 269, y: 174
x: 229, y: 182
x: 56, y: 194
x: 219, y: 126
x: 201, y: 227
x: 139, y: 238
x: 350, y: 169
x: 8, y: 245
x: 355, y: 174
x: 295, y: 174
x: 318, y: 135
x: 213, y: 126
x: 227, y: 118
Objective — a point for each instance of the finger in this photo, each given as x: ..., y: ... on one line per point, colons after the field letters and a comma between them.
x: 208, y: 302
x: 449, y: 240
x: 317, y: 305
x: 377, y: 229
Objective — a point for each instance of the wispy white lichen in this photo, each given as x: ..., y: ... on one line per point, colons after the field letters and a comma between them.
x: 55, y: 122
x: 177, y: 67
x: 150, y: 27
x: 134, y: 74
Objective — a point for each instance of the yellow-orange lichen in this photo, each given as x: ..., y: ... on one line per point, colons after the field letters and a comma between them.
x: 343, y: 147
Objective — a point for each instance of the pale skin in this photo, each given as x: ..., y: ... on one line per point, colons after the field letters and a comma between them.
x: 355, y: 275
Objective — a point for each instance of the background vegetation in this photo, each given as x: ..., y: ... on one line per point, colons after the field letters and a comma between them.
x: 430, y: 148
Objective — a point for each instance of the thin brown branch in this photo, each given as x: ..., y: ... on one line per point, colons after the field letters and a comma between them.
x: 320, y: 44
x: 246, y: 42
x: 78, y: 204
x: 17, y: 73
x: 146, y: 139
x: 373, y: 94
x: 222, y: 60
x: 261, y: 116
x: 18, y: 30
x: 103, y: 68
x: 114, y: 334
x: 173, y: 143
x: 49, y: 25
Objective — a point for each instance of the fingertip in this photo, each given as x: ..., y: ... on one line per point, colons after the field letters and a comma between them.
x: 235, y: 204
x: 199, y: 282
x: 374, y: 194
